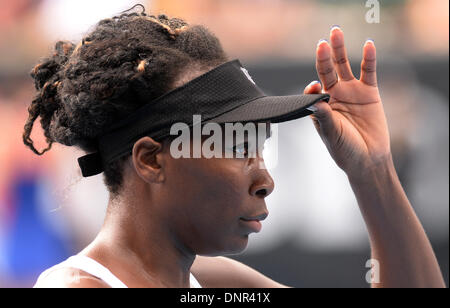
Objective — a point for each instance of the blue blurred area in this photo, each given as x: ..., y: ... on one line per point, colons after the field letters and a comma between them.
x: 31, y: 244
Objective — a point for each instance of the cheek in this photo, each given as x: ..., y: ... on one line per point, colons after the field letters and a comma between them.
x: 211, y: 181
x: 208, y: 197
x: 211, y: 192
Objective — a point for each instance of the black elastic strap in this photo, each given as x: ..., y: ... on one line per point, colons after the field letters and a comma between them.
x: 90, y: 164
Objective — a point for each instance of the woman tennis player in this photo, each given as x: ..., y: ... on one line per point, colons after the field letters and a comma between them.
x: 170, y: 221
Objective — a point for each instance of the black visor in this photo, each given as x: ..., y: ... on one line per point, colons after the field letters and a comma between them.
x: 224, y: 94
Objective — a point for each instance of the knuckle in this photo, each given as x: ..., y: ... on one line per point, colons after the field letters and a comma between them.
x: 368, y: 69
x: 325, y: 70
x: 341, y: 60
x: 323, y: 60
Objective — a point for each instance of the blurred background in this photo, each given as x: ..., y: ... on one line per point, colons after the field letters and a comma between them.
x: 315, y: 235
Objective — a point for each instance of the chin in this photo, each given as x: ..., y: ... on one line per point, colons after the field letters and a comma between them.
x: 231, y: 247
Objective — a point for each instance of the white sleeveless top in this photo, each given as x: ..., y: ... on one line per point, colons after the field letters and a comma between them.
x: 94, y: 268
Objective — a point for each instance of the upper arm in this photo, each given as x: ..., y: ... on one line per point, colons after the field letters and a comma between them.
x: 223, y: 272
x: 70, y: 278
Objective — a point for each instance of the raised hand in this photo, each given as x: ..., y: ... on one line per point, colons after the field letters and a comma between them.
x: 352, y: 124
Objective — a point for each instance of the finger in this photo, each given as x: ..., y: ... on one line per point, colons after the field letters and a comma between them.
x: 325, y: 121
x: 313, y: 88
x: 324, y: 65
x: 368, y: 64
x: 340, y: 58
x: 316, y: 124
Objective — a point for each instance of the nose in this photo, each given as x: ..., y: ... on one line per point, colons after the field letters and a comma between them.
x: 263, y: 185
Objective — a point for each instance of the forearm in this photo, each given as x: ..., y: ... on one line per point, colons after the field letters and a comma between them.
x: 397, y: 238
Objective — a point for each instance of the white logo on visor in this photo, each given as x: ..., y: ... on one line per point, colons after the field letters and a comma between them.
x: 247, y: 74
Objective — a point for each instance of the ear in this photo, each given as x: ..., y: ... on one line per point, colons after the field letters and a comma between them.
x: 147, y: 158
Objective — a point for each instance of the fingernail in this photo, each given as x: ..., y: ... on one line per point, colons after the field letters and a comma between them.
x: 369, y: 40
x: 335, y: 27
x: 313, y: 83
x: 321, y: 41
x: 312, y: 108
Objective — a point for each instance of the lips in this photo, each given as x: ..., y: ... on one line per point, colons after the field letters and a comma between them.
x: 256, y: 217
x: 253, y: 225
x: 254, y: 222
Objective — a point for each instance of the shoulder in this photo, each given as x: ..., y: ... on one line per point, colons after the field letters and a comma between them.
x: 223, y: 272
x: 67, y: 277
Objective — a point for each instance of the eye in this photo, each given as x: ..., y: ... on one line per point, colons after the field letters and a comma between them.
x: 241, y: 149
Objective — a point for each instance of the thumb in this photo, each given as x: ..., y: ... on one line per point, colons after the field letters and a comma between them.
x: 326, y: 123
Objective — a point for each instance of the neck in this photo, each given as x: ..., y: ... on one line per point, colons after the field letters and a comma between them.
x: 144, y: 244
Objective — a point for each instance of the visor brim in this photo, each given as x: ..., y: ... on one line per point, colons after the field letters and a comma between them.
x: 275, y: 109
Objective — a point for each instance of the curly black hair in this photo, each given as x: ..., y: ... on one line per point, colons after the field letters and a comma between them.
x: 125, y: 62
